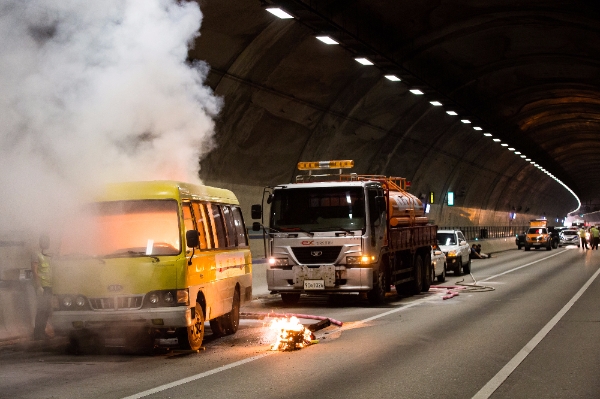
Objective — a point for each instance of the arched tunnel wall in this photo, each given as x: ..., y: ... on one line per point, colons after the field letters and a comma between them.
x: 289, y: 98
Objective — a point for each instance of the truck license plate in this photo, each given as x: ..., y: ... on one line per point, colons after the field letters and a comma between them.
x: 314, y: 284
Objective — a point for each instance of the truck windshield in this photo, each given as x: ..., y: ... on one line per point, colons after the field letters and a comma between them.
x: 537, y: 230
x: 123, y: 229
x: 446, y: 239
x: 318, y: 209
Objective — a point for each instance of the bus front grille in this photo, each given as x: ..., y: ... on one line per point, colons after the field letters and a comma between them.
x: 116, y: 303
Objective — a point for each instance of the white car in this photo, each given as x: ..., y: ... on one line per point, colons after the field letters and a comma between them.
x: 438, y: 264
x: 457, y: 250
x: 569, y: 237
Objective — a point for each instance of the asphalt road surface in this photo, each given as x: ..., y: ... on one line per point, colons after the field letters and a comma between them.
x: 535, y: 335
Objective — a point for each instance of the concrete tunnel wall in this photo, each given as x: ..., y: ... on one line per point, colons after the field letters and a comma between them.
x: 288, y: 98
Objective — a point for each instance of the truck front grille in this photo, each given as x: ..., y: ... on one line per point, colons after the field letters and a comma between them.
x: 317, y: 255
x: 116, y: 303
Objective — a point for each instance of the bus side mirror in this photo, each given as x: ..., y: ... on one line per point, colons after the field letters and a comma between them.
x: 256, y: 212
x: 192, y: 238
x: 255, y: 226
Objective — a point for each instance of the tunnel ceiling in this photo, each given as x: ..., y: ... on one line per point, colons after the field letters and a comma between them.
x: 526, y: 71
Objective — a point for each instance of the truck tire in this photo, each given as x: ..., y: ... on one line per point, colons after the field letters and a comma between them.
x: 417, y: 283
x: 549, y: 247
x: 377, y: 295
x: 458, y: 268
x: 191, y: 337
x: 427, y: 273
x: 228, y: 323
x: 519, y: 246
x: 290, y: 298
x: 467, y: 267
x: 527, y: 248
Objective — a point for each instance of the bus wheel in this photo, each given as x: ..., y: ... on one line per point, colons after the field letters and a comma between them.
x: 191, y: 337
x: 228, y: 323
x: 290, y: 298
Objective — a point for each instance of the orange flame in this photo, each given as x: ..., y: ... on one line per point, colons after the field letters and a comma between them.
x: 290, y: 334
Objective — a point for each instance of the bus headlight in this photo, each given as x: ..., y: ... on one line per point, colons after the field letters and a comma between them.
x: 166, y: 298
x: 67, y: 301
x: 153, y: 298
x: 80, y: 301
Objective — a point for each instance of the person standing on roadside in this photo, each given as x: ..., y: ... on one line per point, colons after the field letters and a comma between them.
x: 595, y: 236
x: 42, y: 280
x: 582, y: 238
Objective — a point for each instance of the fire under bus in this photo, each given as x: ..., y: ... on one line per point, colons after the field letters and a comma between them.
x: 343, y: 233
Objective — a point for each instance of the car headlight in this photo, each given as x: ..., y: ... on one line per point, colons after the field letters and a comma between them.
x: 452, y: 253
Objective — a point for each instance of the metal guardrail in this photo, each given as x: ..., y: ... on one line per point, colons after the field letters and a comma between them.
x: 483, y: 232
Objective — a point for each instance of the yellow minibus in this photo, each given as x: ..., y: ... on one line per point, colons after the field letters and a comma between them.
x: 152, y: 260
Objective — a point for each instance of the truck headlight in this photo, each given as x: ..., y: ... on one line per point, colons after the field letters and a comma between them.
x: 359, y: 260
x: 278, y: 261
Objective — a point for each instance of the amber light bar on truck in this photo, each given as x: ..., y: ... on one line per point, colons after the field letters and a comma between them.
x: 346, y: 164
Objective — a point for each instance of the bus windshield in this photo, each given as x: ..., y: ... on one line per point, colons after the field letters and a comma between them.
x: 123, y: 229
x: 318, y: 209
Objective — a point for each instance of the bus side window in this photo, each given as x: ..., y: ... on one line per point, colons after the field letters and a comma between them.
x: 231, y: 234
x: 208, y: 225
x: 218, y: 226
x: 201, y: 225
x: 188, y: 220
x: 240, y: 229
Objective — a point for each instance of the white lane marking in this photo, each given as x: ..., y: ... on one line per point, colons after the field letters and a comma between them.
x: 525, y: 265
x: 493, y: 384
x: 395, y: 310
x: 196, y: 377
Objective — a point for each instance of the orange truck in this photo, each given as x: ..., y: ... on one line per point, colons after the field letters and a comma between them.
x: 336, y: 233
x: 540, y: 235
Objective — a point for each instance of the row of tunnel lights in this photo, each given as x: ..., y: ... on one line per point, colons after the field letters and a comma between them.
x: 365, y: 61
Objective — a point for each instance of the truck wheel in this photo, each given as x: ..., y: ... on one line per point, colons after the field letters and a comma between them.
x: 228, y: 323
x: 377, y: 295
x: 555, y: 245
x: 519, y: 246
x: 427, y: 273
x: 442, y: 277
x: 417, y: 283
x: 549, y: 247
x: 467, y: 267
x: 290, y: 298
x: 191, y: 337
x: 458, y: 268
x: 527, y: 248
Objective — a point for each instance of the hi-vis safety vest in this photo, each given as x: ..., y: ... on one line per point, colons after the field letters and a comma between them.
x: 44, y: 271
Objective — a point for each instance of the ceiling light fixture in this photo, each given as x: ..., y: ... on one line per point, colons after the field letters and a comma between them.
x: 497, y: 140
x: 363, y: 61
x: 393, y: 78
x: 416, y: 91
x: 435, y: 103
x: 487, y: 134
x: 278, y: 12
x: 451, y: 113
x: 504, y: 145
x: 465, y: 121
x: 477, y: 128
x: 327, y: 40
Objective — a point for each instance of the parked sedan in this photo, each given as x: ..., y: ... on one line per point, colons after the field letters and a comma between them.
x: 438, y: 264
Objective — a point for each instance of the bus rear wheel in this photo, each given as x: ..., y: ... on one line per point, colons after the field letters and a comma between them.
x: 228, y: 323
x: 191, y: 337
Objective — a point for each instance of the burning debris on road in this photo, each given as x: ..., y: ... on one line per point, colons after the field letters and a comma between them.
x: 291, y: 335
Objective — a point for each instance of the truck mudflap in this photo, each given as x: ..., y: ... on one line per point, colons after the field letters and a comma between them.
x: 355, y: 279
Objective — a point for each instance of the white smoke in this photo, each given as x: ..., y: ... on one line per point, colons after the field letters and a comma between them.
x: 93, y: 92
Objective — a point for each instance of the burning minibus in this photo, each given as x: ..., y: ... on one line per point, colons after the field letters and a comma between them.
x: 149, y: 260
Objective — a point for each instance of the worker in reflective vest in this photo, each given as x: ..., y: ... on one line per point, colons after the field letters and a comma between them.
x: 583, y: 238
x: 42, y: 280
x: 595, y: 236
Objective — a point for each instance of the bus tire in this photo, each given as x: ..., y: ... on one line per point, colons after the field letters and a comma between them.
x: 290, y: 298
x: 191, y: 337
x: 228, y: 323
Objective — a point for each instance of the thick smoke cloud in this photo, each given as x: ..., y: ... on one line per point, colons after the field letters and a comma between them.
x: 94, y: 92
